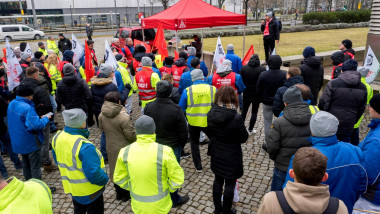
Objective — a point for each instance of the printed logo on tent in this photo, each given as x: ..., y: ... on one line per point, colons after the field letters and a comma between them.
x: 182, y: 24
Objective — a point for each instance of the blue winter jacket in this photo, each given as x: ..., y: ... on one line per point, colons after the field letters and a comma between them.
x: 185, y: 81
x: 203, y: 66
x: 236, y: 61
x: 25, y: 126
x: 238, y: 83
x: 90, y: 163
x: 119, y: 81
x: 370, y: 147
x: 347, y: 176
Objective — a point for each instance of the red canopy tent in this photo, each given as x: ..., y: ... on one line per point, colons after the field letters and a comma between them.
x: 188, y: 14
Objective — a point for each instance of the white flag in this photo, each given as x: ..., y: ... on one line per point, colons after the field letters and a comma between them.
x: 77, y: 49
x: 28, y: 49
x: 109, y: 59
x: 372, y: 64
x: 14, y: 68
x: 219, y: 55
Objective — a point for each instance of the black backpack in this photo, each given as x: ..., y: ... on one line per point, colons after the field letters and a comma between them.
x: 332, y: 208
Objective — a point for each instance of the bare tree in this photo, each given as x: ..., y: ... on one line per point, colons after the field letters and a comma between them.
x: 234, y: 2
x: 220, y: 3
x: 246, y: 10
x: 165, y: 3
x: 255, y: 5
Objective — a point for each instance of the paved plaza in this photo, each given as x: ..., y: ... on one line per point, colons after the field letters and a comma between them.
x: 255, y: 182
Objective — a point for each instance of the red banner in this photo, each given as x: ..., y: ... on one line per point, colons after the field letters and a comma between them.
x: 160, y: 43
x: 89, y: 70
x: 248, y: 55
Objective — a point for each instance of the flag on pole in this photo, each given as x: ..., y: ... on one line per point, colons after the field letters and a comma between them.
x: 109, y: 59
x: 219, y: 55
x: 14, y: 68
x: 28, y: 49
x: 89, y: 67
x: 160, y: 43
x: 248, y: 55
x: 372, y: 64
x: 77, y: 49
x: 147, y: 47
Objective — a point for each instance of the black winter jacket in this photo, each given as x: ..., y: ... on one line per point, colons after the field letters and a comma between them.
x: 100, y: 87
x: 176, y: 96
x: 180, y: 63
x: 312, y: 73
x: 346, y: 56
x: 269, y: 81
x: 65, y: 44
x: 226, y: 131
x: 278, y: 103
x: 73, y: 92
x: 250, y: 74
x: 171, y: 125
x: 41, y: 97
x: 289, y: 133
x: 274, y: 31
x: 3, y: 113
x: 346, y: 99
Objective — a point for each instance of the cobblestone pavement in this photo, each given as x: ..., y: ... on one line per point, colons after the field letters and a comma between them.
x: 252, y: 186
x: 255, y: 182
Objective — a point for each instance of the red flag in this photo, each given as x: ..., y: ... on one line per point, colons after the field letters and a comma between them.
x: 248, y: 55
x: 147, y: 47
x: 176, y: 55
x: 89, y: 70
x: 160, y: 43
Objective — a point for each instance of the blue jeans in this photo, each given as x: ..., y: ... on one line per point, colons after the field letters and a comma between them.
x: 176, y: 198
x: 240, y: 102
x: 54, y: 105
x: 103, y: 149
x: 278, y: 180
x: 6, y: 140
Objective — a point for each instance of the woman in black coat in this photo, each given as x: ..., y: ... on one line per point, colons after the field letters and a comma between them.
x: 227, y: 132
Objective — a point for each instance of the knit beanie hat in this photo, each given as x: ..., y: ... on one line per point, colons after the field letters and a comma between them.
x: 350, y: 65
x: 40, y: 44
x: 60, y: 34
x: 146, y: 61
x: 337, y: 57
x: 308, y: 52
x: 145, y: 125
x: 25, y: 55
x: 119, y: 57
x: 38, y: 54
x: 375, y: 103
x: 164, y: 89
x: 197, y: 74
x: 68, y: 70
x: 24, y: 90
x: 363, y: 71
x: 192, y: 51
x: 74, y: 118
x: 225, y: 66
x: 323, y: 124
x: 270, y: 14
x: 169, y: 60
x: 105, y: 69
x: 230, y: 47
x: 347, y: 43
x: 292, y: 95
x: 183, y: 55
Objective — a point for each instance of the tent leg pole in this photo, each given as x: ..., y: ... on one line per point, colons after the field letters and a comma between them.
x: 202, y: 42
x: 176, y: 41
x: 243, y: 41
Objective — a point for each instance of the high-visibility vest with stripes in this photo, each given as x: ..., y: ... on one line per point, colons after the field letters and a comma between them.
x: 158, y: 61
x: 229, y: 80
x: 44, y: 51
x: 199, y: 100
x: 144, y: 83
x: 66, y: 148
x: 177, y: 73
x: 83, y: 75
x: 313, y: 109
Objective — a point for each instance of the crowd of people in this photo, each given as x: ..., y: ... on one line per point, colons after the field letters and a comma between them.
x: 319, y: 165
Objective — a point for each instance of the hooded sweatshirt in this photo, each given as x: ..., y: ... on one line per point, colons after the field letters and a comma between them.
x: 278, y: 103
x: 250, y: 74
x: 303, y: 199
x: 345, y: 98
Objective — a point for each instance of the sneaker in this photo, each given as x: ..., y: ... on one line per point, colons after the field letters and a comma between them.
x: 184, y: 200
x: 185, y: 155
x: 199, y: 170
x: 125, y: 198
x: 49, y: 168
x: 251, y: 132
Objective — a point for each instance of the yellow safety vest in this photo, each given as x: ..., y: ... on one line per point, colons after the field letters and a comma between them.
x: 83, y: 75
x: 32, y: 196
x: 313, y: 109
x: 159, y: 62
x: 369, y: 97
x: 44, y: 51
x: 52, y: 46
x: 150, y: 171
x: 199, y: 100
x: 55, y: 76
x: 66, y: 148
